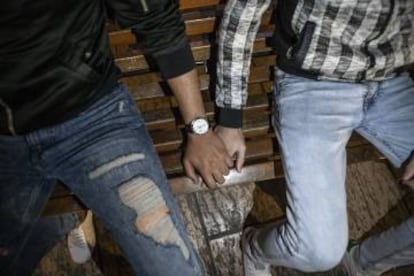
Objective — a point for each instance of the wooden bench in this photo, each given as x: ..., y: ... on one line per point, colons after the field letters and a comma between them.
x: 160, y: 111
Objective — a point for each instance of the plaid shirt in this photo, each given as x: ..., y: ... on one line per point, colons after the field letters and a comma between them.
x: 340, y: 40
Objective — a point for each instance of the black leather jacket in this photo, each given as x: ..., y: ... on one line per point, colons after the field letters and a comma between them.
x: 55, y: 58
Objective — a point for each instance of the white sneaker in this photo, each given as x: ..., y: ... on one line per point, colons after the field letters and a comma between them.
x: 78, y: 247
x: 252, y: 268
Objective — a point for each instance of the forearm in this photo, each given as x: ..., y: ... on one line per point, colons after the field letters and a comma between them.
x: 186, y: 89
x: 160, y: 31
x: 204, y: 153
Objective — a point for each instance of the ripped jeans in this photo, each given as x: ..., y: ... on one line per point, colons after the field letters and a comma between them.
x: 106, y: 157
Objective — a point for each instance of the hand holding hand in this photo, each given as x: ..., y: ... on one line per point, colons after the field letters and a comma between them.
x: 207, y: 155
x: 233, y: 140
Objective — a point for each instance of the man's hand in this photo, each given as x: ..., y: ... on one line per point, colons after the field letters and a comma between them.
x: 408, y: 177
x: 207, y: 155
x: 233, y: 140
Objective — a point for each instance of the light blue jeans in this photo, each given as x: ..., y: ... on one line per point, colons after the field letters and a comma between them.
x: 313, y: 123
x: 106, y: 157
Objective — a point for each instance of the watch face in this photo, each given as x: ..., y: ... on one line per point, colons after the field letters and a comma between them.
x: 200, y: 126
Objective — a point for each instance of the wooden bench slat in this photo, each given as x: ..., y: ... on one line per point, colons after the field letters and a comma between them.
x: 268, y: 60
x: 122, y: 37
x: 196, y: 24
x: 159, y: 119
x: 154, y: 104
x: 253, y: 173
x: 151, y: 90
x: 256, y: 124
x: 267, y: 86
x: 191, y: 4
x: 130, y: 60
x: 166, y: 140
x: 193, y: 27
x: 260, y: 72
x: 200, y: 26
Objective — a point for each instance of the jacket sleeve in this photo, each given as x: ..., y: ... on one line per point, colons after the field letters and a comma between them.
x: 239, y: 26
x: 160, y: 30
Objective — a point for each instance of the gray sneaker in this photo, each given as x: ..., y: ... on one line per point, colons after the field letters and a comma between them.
x: 353, y: 267
x: 250, y: 267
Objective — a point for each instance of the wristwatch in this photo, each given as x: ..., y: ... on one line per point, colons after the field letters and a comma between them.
x: 199, y: 126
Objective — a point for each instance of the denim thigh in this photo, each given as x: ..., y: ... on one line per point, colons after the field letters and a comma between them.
x: 24, y: 190
x: 106, y: 157
x: 313, y: 122
x: 389, y: 119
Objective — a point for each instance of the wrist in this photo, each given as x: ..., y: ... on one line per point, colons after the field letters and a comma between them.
x: 198, y: 126
x: 227, y: 127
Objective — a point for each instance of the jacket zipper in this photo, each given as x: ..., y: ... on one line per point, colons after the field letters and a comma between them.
x: 144, y: 5
x: 9, y: 115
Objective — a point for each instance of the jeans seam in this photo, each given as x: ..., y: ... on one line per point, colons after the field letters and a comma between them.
x: 370, y: 102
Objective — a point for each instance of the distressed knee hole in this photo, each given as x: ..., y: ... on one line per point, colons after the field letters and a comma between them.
x: 118, y: 162
x: 153, y: 215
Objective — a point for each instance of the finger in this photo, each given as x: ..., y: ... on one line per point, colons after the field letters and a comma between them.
x: 240, y: 159
x: 208, y: 179
x: 218, y: 176
x: 189, y: 170
x: 223, y: 156
x: 224, y: 170
x: 228, y: 161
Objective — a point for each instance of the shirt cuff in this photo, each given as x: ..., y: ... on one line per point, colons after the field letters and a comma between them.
x: 175, y: 63
x: 228, y: 117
